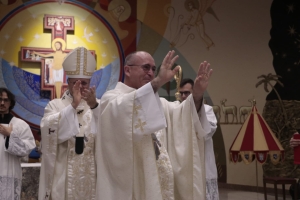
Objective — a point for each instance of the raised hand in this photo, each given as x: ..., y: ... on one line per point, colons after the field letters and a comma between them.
x: 201, y: 83
x: 89, y: 95
x: 202, y: 79
x: 76, y: 93
x: 166, y: 73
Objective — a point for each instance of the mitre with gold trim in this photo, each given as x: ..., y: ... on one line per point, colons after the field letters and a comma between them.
x: 79, y: 63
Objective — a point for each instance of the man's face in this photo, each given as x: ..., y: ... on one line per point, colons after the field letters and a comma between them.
x: 185, y: 91
x: 4, y: 103
x: 140, y: 70
x: 85, y: 84
x: 57, y: 46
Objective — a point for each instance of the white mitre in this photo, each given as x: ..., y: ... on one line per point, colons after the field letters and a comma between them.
x: 79, y: 63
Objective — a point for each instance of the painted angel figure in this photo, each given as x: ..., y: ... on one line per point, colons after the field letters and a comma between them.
x: 195, y: 20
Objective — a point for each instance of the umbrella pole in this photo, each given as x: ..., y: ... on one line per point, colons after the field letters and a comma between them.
x: 256, y: 177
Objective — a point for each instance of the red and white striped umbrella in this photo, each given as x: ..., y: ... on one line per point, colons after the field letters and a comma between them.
x: 256, y: 139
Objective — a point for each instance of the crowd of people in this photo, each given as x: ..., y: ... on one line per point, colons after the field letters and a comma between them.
x: 131, y: 144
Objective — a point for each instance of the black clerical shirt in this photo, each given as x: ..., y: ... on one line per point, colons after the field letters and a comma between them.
x: 5, y: 119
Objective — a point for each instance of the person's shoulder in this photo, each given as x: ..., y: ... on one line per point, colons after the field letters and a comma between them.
x: 163, y: 99
x: 19, y: 121
x: 55, y: 105
x: 208, y: 108
x: 110, y: 94
x: 55, y: 101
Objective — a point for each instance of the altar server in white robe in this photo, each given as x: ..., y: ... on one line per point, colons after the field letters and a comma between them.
x: 68, y: 134
x: 16, y: 141
x: 149, y: 148
x: 212, y: 191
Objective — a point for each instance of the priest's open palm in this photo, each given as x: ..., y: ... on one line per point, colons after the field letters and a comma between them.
x: 76, y: 93
x: 89, y: 95
x: 166, y: 73
x: 202, y: 79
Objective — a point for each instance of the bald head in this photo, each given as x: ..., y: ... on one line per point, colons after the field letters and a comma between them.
x: 139, y: 69
x: 130, y: 58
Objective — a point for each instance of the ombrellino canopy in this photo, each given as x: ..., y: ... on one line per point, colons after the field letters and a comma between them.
x: 256, y: 139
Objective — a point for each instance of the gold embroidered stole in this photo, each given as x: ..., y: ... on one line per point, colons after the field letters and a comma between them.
x: 81, y: 172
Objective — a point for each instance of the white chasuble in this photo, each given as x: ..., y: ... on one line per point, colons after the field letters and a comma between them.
x: 149, y: 148
x: 65, y: 174
x: 19, y: 144
x: 212, y: 191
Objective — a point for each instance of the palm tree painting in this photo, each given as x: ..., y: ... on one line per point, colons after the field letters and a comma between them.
x: 266, y: 80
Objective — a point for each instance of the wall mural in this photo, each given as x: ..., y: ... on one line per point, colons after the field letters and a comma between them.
x: 37, y: 35
x: 231, y: 114
x: 52, y: 73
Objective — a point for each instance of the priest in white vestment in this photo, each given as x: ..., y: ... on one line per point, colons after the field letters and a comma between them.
x: 212, y: 191
x: 149, y: 148
x: 16, y: 141
x: 68, y: 130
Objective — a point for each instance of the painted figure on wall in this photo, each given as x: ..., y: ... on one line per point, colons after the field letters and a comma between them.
x: 119, y: 10
x: 58, y: 46
x: 194, y: 21
x: 59, y: 26
x: 120, y: 13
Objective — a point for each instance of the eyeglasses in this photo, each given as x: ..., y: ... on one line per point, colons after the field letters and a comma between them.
x: 186, y: 93
x: 146, y: 67
x: 5, y: 100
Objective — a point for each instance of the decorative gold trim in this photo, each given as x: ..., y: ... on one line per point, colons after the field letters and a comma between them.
x: 80, y: 58
x: 85, y: 72
x: 136, y: 109
x: 140, y: 125
x: 76, y: 72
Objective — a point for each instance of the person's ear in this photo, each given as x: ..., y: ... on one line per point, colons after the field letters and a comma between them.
x: 127, y: 70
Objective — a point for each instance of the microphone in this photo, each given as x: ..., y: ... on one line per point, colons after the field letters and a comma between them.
x: 79, y: 145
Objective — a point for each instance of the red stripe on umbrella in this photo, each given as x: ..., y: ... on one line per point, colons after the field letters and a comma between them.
x: 248, y: 141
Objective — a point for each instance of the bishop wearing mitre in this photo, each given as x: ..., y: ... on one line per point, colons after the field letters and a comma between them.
x: 68, y: 131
